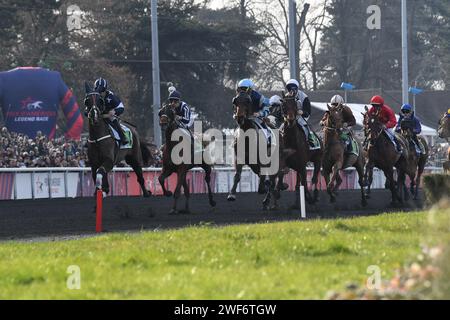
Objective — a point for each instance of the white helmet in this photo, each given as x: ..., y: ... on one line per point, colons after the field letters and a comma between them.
x: 292, y: 84
x: 337, y: 99
x: 275, y: 100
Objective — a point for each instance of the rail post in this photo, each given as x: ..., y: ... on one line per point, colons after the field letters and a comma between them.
x: 99, y: 211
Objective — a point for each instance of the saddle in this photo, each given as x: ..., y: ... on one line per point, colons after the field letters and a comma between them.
x: 351, y: 145
x: 128, y: 134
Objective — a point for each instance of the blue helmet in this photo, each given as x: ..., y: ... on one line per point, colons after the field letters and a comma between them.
x: 175, y: 95
x: 245, y: 84
x: 406, y: 107
x: 101, y: 85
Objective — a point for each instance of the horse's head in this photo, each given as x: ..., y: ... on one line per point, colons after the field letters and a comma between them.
x: 242, y: 107
x: 289, y: 109
x: 407, y: 127
x: 95, y: 105
x: 372, y: 127
x: 444, y: 126
x: 335, y: 117
x: 166, y: 116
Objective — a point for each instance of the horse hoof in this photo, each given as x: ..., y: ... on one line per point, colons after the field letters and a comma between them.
x: 212, y: 203
x: 261, y: 191
x: 274, y: 208
x: 265, y: 208
x: 168, y: 194
x: 231, y: 198
x: 173, y: 212
x: 147, y: 194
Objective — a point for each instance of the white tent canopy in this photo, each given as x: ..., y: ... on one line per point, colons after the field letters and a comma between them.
x: 359, y: 110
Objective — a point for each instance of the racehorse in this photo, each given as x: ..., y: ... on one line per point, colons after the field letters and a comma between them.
x: 297, y: 151
x: 335, y: 157
x: 381, y: 153
x: 444, y: 133
x: 169, y: 124
x: 417, y: 162
x: 103, y: 150
x: 242, y: 105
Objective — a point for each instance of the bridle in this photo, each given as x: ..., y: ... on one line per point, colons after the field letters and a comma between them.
x: 95, y: 112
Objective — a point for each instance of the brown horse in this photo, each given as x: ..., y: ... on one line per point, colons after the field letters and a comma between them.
x: 104, y: 152
x: 169, y: 125
x: 335, y: 157
x: 297, y: 151
x: 381, y: 153
x: 249, y: 154
x: 417, y: 162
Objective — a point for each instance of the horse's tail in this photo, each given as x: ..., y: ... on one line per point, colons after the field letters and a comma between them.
x: 146, y: 154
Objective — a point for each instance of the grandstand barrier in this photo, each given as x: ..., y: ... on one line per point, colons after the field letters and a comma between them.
x: 33, y: 183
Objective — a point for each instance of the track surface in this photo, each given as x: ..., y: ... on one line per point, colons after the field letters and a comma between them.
x: 28, y: 219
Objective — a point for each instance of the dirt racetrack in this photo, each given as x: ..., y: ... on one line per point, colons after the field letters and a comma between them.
x: 24, y: 219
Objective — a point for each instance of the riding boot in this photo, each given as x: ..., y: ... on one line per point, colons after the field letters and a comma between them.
x: 397, y: 145
x: 116, y: 125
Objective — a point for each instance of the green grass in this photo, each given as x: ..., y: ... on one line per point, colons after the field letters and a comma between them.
x: 294, y: 260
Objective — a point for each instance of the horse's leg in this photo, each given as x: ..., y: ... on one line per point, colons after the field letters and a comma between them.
x: 164, y: 174
x: 304, y: 181
x: 181, y: 176
x: 275, y: 193
x: 207, y: 169
x: 368, y: 178
x: 186, y: 195
x: 94, y: 178
x: 296, y: 205
x: 267, y: 198
x: 421, y: 168
x: 237, y: 179
x: 315, y: 178
x: 105, y: 184
x: 334, y: 181
x: 326, y: 174
x: 389, y: 173
x: 360, y: 169
x: 140, y: 177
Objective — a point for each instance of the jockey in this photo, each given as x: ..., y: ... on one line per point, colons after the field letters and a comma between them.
x: 182, y: 110
x: 113, y: 107
x: 275, y: 110
x: 407, y: 113
x: 387, y: 117
x: 348, y: 118
x: 304, y: 111
x: 260, y: 104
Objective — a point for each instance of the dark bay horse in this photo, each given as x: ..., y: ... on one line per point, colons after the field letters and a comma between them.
x: 417, y: 162
x: 249, y: 153
x: 381, y: 153
x: 335, y: 157
x: 104, y: 152
x: 297, y: 152
x: 169, y: 124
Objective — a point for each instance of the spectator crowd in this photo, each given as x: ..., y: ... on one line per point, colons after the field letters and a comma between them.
x: 19, y: 151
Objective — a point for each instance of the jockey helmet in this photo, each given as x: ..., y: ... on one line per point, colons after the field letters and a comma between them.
x: 406, y: 108
x: 377, y: 100
x: 171, y: 89
x: 292, y: 85
x: 337, y: 100
x: 175, y: 95
x: 275, y: 100
x: 101, y: 85
x: 245, y: 84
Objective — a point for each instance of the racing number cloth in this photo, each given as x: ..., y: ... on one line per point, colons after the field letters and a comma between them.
x: 30, y: 99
